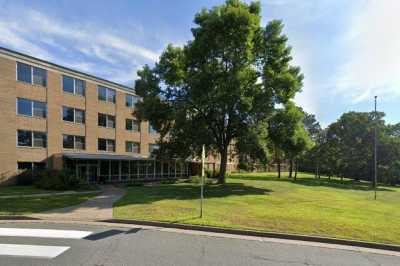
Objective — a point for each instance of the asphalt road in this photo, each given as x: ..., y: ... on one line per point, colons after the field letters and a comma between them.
x: 134, y: 246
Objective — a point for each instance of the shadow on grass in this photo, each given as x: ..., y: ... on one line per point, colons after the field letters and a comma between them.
x: 143, y: 195
x: 314, y: 182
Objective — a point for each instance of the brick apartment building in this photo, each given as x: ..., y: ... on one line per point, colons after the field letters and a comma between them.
x: 55, y: 117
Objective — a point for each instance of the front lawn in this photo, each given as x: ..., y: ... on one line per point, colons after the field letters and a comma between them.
x: 335, y: 208
x: 23, y: 206
x: 21, y: 190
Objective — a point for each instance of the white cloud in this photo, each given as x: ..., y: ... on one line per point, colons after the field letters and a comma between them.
x: 10, y: 37
x: 78, y: 44
x: 371, y: 46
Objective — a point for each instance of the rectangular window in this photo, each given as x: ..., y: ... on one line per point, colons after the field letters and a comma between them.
x: 28, y: 138
x: 24, y: 138
x: 79, y: 116
x: 24, y: 107
x: 111, y: 96
x: 39, y: 109
x: 31, y: 166
x: 102, y: 93
x: 106, y: 94
x: 131, y: 146
x: 73, y: 115
x: 39, y: 139
x: 80, y: 143
x: 153, y: 147
x: 39, y: 76
x: 110, y: 121
x: 106, y: 120
x: 74, y: 86
x: 24, y: 72
x: 68, y: 114
x: 68, y: 141
x: 102, y: 144
x: 102, y: 120
x: 31, y: 108
x: 131, y: 100
x: 24, y: 166
x: 132, y: 125
x: 152, y: 130
x: 106, y: 145
x: 73, y: 142
x: 31, y: 74
x: 68, y: 84
x: 80, y: 87
x: 111, y: 145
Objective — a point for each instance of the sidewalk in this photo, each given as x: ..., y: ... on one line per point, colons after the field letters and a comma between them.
x: 97, y: 208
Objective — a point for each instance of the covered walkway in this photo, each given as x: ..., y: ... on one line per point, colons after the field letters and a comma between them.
x: 110, y: 168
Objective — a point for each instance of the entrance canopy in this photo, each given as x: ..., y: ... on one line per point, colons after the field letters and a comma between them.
x: 91, y: 156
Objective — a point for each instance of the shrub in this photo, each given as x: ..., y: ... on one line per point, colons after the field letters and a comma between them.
x: 211, y: 174
x: 197, y: 180
x: 57, y: 180
x: 25, y: 178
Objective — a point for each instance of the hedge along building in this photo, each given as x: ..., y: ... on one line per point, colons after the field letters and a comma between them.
x: 55, y: 117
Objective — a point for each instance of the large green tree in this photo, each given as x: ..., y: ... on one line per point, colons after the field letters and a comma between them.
x: 288, y: 135
x: 221, y: 84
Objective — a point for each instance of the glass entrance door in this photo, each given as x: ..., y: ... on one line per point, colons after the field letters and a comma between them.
x: 82, y: 172
x: 92, y: 174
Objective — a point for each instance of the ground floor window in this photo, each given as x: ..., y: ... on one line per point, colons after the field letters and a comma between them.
x: 128, y: 170
x: 24, y: 166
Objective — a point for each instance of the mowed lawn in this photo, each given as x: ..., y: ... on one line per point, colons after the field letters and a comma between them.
x: 334, y: 208
x: 24, y: 206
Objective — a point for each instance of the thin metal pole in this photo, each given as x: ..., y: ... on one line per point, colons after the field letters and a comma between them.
x: 375, y: 153
x: 203, y: 155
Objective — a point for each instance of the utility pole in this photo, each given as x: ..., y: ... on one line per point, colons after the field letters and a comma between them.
x: 203, y: 155
x: 375, y: 152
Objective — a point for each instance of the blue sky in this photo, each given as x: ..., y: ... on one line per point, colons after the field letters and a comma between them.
x: 349, y: 51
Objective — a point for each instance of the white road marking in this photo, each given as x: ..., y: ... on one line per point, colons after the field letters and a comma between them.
x: 44, y: 233
x: 36, y: 251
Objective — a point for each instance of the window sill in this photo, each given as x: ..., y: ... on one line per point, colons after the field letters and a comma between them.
x: 106, y: 102
x: 32, y: 84
x: 31, y: 116
x: 74, y: 94
x: 29, y: 147
x: 73, y: 123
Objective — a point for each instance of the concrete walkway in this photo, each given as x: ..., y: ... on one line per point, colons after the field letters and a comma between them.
x: 97, y: 208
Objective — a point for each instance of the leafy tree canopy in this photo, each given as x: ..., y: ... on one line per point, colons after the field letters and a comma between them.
x: 221, y: 84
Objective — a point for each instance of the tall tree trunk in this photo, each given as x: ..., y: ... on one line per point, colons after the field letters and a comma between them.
x: 278, y: 159
x: 222, y: 168
x: 317, y: 170
x: 295, y: 170
x: 290, y: 167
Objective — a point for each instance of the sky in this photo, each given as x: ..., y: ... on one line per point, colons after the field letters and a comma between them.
x: 349, y: 51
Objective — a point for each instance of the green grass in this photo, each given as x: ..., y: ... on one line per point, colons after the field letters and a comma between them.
x: 31, y: 190
x: 23, y: 206
x: 21, y: 190
x: 333, y: 208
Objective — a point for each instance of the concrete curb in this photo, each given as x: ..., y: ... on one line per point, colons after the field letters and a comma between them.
x: 39, y: 195
x: 307, y: 238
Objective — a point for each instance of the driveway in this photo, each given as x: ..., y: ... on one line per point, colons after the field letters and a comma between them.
x: 97, y: 208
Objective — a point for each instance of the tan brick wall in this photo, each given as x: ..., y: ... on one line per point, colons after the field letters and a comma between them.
x: 7, y: 119
x: 55, y: 127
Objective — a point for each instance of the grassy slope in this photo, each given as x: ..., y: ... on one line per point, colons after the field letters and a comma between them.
x: 20, y: 206
x: 21, y: 190
x: 333, y: 208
